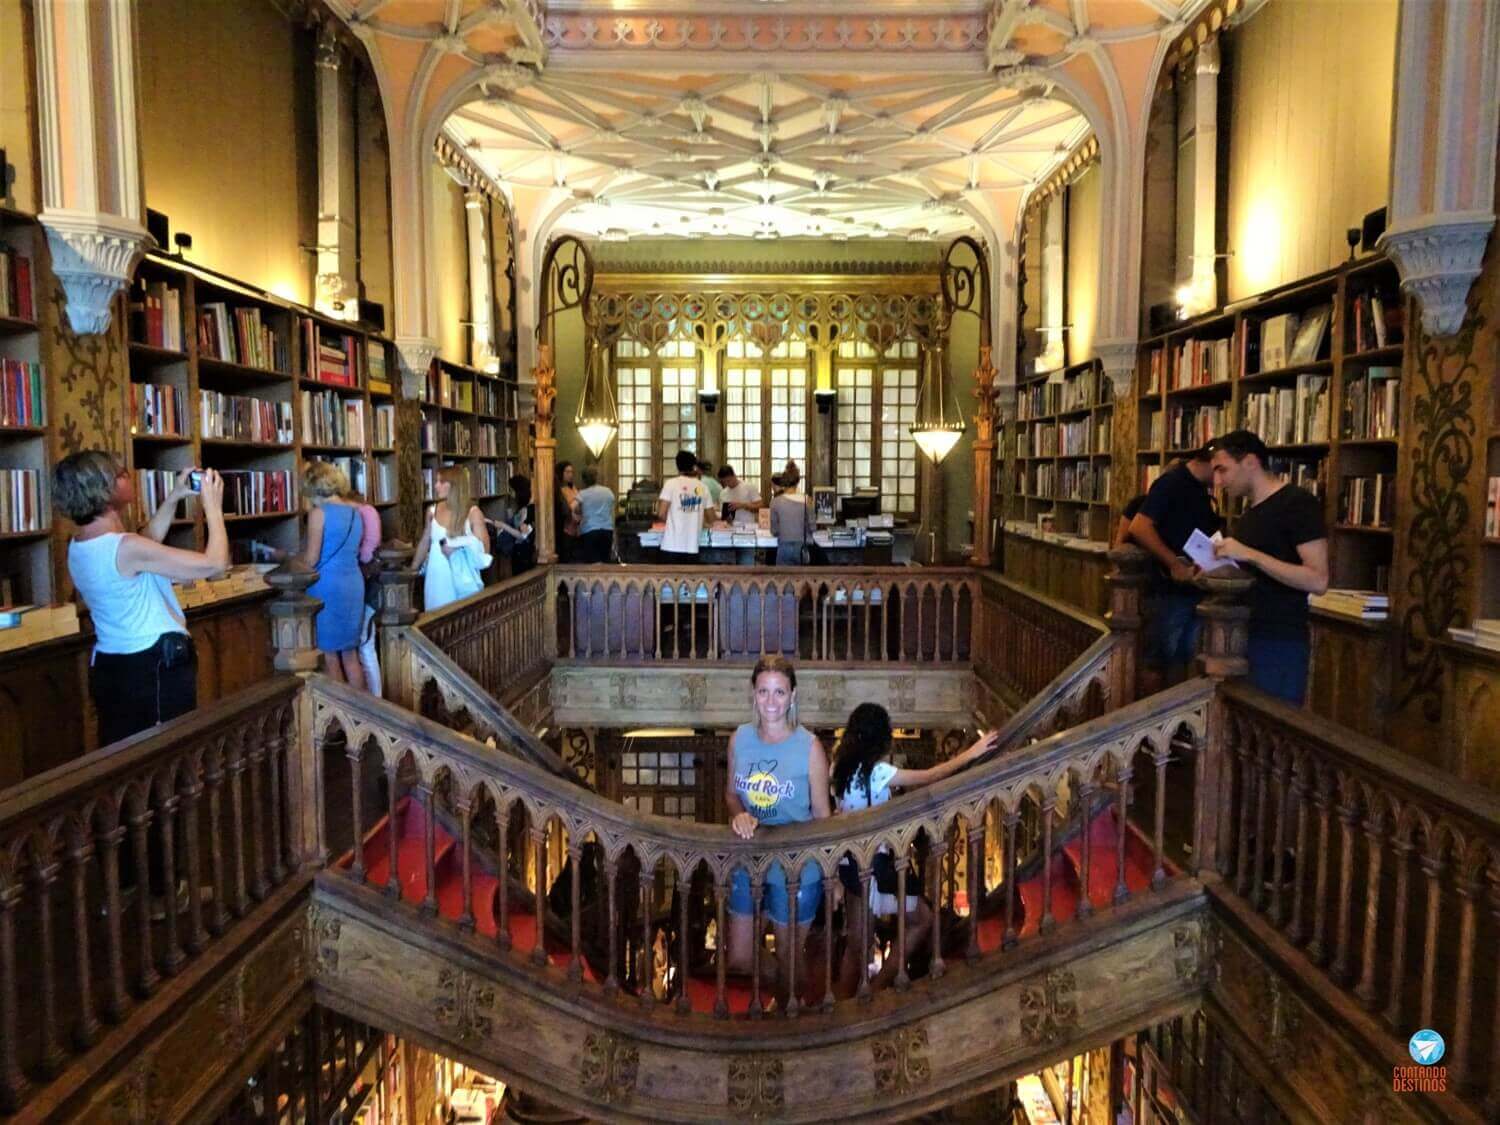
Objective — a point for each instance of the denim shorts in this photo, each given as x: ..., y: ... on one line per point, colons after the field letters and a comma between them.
x: 774, y: 903
x: 1278, y: 666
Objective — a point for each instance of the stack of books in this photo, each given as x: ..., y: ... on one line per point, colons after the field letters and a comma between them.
x: 157, y: 312
x: 22, y: 399
x: 1485, y: 633
x: 21, y: 501
x: 329, y: 356
x: 247, y: 579
x: 1372, y: 403
x: 24, y: 625
x: 1367, y: 605
x: 16, y: 298
x: 158, y: 408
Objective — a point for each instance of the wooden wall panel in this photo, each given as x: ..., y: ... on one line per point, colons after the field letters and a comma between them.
x: 1060, y: 572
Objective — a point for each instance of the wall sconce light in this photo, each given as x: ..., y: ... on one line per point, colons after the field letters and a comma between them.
x: 709, y: 399
x: 824, y: 397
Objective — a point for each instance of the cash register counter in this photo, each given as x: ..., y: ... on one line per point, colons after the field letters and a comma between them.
x: 885, y: 547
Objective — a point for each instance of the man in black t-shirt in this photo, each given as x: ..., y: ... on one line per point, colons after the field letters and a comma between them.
x: 1177, y: 504
x: 1282, y: 541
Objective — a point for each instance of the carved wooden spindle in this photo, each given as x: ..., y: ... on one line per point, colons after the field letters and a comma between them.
x: 1401, y: 849
x: 1280, y: 767
x: 1244, y: 758
x: 1085, y: 790
x: 1466, y: 884
x: 1159, y: 758
x: 276, y: 747
x: 830, y: 882
x: 13, y: 1083
x: 903, y: 979
x: 167, y: 803
x: 575, y: 888
x: 936, y: 967
x: 115, y: 1000
x: 757, y: 891
x: 1011, y: 820
x: 1048, y: 923
x: 648, y: 969
x: 1492, y: 1096
x: 612, y: 892
x: 1317, y: 948
x: 684, y: 1001
x: 788, y: 958
x: 976, y: 886
x: 1301, y: 798
x: 139, y: 819
x: 392, y: 828
x: 1126, y: 772
x: 44, y: 874
x: 1433, y: 863
x: 214, y: 774
x: 721, y: 951
x: 429, y: 848
x: 1348, y: 811
x: 192, y: 791
x: 539, y: 844
x: 234, y: 766
x: 1374, y: 826
x: 1262, y: 778
x: 80, y: 851
x: 502, y: 875
x: 466, y: 857
x: 356, y: 807
x: 864, y: 992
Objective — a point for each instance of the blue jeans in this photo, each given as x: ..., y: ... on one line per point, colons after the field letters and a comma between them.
x: 1172, y: 631
x: 775, y: 903
x: 1278, y: 666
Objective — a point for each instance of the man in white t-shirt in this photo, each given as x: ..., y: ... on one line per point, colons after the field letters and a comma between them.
x: 741, y: 501
x: 684, y: 505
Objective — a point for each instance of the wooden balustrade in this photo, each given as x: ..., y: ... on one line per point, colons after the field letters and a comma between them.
x: 499, y: 637
x: 1027, y: 641
x: 651, y: 880
x: 204, y: 802
x: 1382, y: 870
x: 815, y: 615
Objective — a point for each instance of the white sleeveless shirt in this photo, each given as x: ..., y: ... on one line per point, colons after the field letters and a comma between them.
x: 129, y: 614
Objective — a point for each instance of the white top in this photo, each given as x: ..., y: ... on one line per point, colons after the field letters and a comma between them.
x: 855, y: 798
x: 742, y: 493
x: 130, y: 614
x: 449, y: 579
x: 686, y: 498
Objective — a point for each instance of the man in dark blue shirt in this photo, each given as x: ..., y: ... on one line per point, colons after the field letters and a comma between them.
x: 1178, y: 504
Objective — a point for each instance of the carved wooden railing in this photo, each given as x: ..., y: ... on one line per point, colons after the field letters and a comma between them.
x: 498, y: 636
x: 815, y: 615
x: 1027, y: 641
x: 210, y: 799
x: 1384, y: 872
x: 1091, y: 686
x: 507, y: 799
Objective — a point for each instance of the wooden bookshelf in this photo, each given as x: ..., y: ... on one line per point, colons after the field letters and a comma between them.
x: 1059, y: 448
x: 25, y: 508
x: 175, y: 351
x: 471, y: 418
x: 1241, y: 367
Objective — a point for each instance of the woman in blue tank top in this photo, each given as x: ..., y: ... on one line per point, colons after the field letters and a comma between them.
x: 778, y: 774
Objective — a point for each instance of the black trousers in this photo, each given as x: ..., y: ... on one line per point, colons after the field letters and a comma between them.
x: 596, y: 546
x: 133, y: 692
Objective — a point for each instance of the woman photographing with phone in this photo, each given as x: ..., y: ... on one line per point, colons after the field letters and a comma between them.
x: 144, y: 670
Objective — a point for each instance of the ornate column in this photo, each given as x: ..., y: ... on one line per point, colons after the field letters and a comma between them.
x: 396, y: 610
x: 481, y: 293
x: 294, y: 641
x: 1443, y: 152
x: 90, y: 153
x: 1226, y: 625
x: 338, y: 265
x: 1127, y: 581
x: 1201, y: 284
x: 984, y: 458
x: 544, y: 380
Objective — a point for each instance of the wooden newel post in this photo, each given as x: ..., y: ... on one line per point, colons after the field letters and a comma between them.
x: 1226, y: 625
x: 293, y: 614
x: 1127, y: 581
x: 396, y: 609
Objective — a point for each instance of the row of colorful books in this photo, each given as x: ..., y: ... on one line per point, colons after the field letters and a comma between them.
x: 240, y: 335
x: 253, y: 492
x: 1289, y: 415
x: 16, y: 294
x: 153, y: 486
x: 1372, y: 403
x: 158, y: 408
x: 23, y: 401
x: 1376, y: 321
x: 329, y: 418
x: 1368, y: 501
x: 156, y: 315
x: 330, y: 356
x: 21, y: 501
x: 244, y: 419
x: 1199, y: 363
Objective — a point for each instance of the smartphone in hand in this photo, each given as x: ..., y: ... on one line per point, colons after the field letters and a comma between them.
x: 195, y: 480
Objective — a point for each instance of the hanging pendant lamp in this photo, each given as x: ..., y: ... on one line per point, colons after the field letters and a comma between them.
x: 940, y: 422
x: 596, y: 418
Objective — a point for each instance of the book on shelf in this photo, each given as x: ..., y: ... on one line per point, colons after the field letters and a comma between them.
x: 1037, y: 400
x: 1368, y: 501
x: 1312, y: 409
x: 1200, y: 363
x: 241, y: 418
x: 1081, y: 389
x: 1303, y: 472
x: 158, y: 408
x: 1147, y: 477
x: 23, y: 397
x: 458, y: 439
x: 1484, y: 632
x: 156, y: 315
x: 429, y: 434
x: 385, y: 426
x: 1192, y: 426
x: 1378, y: 321
x: 382, y: 482
x: 254, y: 492
x: 1368, y: 605
x: 354, y: 469
x: 153, y: 486
x: 1156, y: 362
x: 17, y: 296
x: 429, y: 483
x: 486, y: 478
x: 329, y: 418
x: 380, y: 379
x: 1104, y: 433
x: 456, y: 394
x: 330, y: 356
x: 1043, y: 440
x: 1277, y: 334
x: 32, y: 624
x: 1312, y: 331
x: 1156, y: 427
x: 21, y: 501
x: 486, y: 442
x: 1372, y: 401
x: 240, y: 335
x: 1492, y: 509
x: 1272, y: 414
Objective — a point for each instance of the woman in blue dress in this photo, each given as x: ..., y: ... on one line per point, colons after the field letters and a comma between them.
x: 332, y: 549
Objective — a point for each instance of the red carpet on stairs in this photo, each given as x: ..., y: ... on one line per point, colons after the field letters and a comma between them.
x: 448, y: 868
